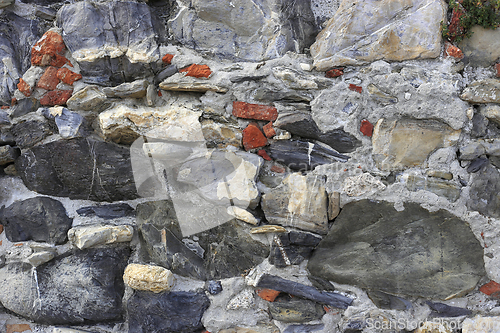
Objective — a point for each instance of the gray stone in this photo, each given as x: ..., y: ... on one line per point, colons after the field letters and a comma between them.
x: 387, y: 301
x: 31, y: 131
x: 69, y: 124
x: 482, y: 48
x: 293, y: 79
x: 245, y: 30
x: 40, y: 219
x: 440, y: 187
x: 189, y: 84
x: 362, y: 32
x: 477, y: 164
x: 80, y: 169
x: 491, y: 111
x: 8, y: 154
x: 304, y: 328
x: 5, y: 3
x: 483, y: 194
x: 491, y: 146
x: 295, y: 310
x: 136, y: 89
x: 300, y: 201
x: 267, y: 94
x: 380, y: 96
x: 107, y: 212
x: 292, y: 248
x: 471, y: 151
x: 443, y: 310
x: 43, y: 294
x: 24, y: 106
x: 482, y: 91
x: 89, y: 98
x: 165, y: 73
x: 177, y: 311
x: 374, y: 246
x: 151, y: 95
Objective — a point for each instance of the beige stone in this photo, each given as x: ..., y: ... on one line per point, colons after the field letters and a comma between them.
x: 150, y: 278
x: 361, y: 184
x: 87, y: 236
x: 264, y: 328
x: 242, y: 214
x: 440, y: 174
x: 483, y: 47
x: 363, y: 31
x: 89, y: 98
x: 267, y: 229
x: 492, y: 112
x: 482, y: 91
x: 406, y: 143
x: 333, y: 205
x: 480, y: 324
x: 220, y: 135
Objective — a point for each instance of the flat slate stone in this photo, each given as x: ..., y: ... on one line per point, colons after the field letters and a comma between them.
x: 111, y: 211
x: 80, y: 168
x: 177, y: 311
x: 40, y: 219
x: 413, y: 252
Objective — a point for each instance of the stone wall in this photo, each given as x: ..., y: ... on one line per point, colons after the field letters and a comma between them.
x: 247, y: 166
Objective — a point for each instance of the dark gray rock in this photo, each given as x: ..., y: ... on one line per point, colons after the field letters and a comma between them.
x: 178, y: 311
x: 24, y: 106
x: 222, y: 252
x: 389, y: 302
x: 297, y: 289
x: 8, y: 154
x: 244, y: 78
x: 483, y: 194
x: 373, y: 246
x: 112, y: 42
x: 165, y: 73
x: 292, y: 248
x: 40, y: 219
x: 4, y: 118
x: 302, y: 155
x: 6, y: 137
x: 266, y: 94
x: 214, y: 287
x: 477, y: 164
x: 30, y: 132
x: 111, y: 211
x: 17, y: 36
x: 320, y: 283
x: 81, y: 168
x: 443, y: 310
x: 85, y: 286
x: 295, y: 310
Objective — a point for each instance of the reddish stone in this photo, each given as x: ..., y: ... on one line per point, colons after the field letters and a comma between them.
x: 1, y: 228
x: 67, y: 76
x: 167, y: 58
x: 197, y: 71
x: 13, y: 102
x: 56, y: 97
x: 278, y: 169
x: 497, y: 68
x: 355, y: 88
x: 269, y: 130
x: 334, y: 72
x: 49, y: 80
x: 455, y: 29
x: 451, y: 50
x: 492, y: 288
x: 24, y: 87
x: 49, y: 50
x: 254, y: 111
x: 253, y: 137
x: 366, y: 127
x: 17, y: 328
x: 4, y: 107
x: 18, y: 244
x: 268, y: 294
x: 262, y: 153
x: 159, y: 93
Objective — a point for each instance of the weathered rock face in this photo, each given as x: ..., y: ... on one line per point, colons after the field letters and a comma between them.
x: 406, y: 143
x: 366, y: 31
x: 178, y: 311
x: 40, y: 219
x: 147, y: 277
x: 80, y: 169
x: 483, y: 91
x: 301, y: 202
x: 483, y: 47
x: 87, y: 236
x: 484, y: 192
x: 59, y: 302
x: 376, y: 247
x: 246, y: 30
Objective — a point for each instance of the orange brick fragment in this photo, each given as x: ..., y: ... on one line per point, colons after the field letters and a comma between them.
x: 167, y: 58
x: 56, y: 97
x: 253, y: 137
x: 24, y: 87
x: 4, y: 107
x: 1, y: 228
x: 355, y: 88
x: 49, y: 50
x: 366, y: 128
x: 262, y: 153
x: 497, y: 68
x: 197, y: 71
x: 491, y: 288
x: 254, y: 111
x: 17, y: 328
x: 451, y: 50
x: 268, y: 294
x: 67, y: 76
x: 278, y: 169
x: 334, y: 72
x: 269, y: 130
x: 49, y: 80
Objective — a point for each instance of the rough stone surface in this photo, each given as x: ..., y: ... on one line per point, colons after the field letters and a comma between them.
x: 40, y: 219
x: 483, y: 47
x: 80, y: 169
x: 67, y: 76
x: 24, y: 106
x: 440, y: 187
x: 178, y: 82
x: 93, y: 235
x: 150, y: 278
x: 8, y: 154
x: 49, y: 79
x: 295, y: 310
x: 136, y: 89
x: 49, y: 50
x: 480, y: 324
x: 483, y: 91
x: 254, y: 111
x: 177, y: 311
x: 368, y: 234
x: 301, y: 202
x: 406, y: 143
x: 362, y: 32
x: 89, y: 98
x: 56, y: 97
x: 483, y: 192
x: 253, y: 137
x: 29, y: 132
x: 107, y: 212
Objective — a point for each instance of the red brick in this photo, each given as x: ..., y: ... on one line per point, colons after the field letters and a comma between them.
x: 366, y: 128
x: 24, y: 87
x: 491, y: 288
x: 56, y: 97
x: 167, y: 58
x: 16, y: 328
x: 269, y: 130
x: 268, y: 294
x: 3, y: 107
x: 254, y: 111
x: 67, y: 76
x: 454, y: 28
x: 451, y: 50
x: 49, y: 80
x: 49, y: 50
x: 334, y: 72
x: 159, y: 93
x: 355, y: 88
x: 278, y: 169
x: 253, y: 137
x: 197, y: 71
x: 497, y: 68
x: 262, y: 153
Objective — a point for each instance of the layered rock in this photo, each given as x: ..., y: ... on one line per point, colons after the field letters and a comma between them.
x: 88, y: 236
x: 482, y: 91
x: 147, y: 277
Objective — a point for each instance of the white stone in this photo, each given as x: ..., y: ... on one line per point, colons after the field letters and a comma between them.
x: 87, y: 236
x: 480, y: 324
x: 306, y: 67
x: 242, y: 214
x: 244, y: 300
x: 362, y: 184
